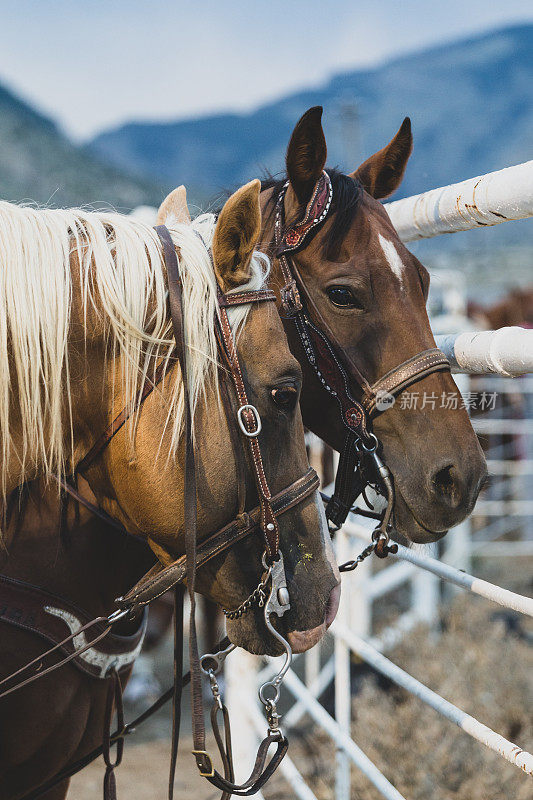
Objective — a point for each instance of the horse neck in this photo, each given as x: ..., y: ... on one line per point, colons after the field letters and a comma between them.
x: 89, y: 566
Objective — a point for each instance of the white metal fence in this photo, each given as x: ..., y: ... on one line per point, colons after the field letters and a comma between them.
x: 505, y: 510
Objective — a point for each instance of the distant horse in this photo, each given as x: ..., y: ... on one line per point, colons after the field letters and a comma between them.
x: 516, y: 308
x: 369, y: 293
x: 84, y: 326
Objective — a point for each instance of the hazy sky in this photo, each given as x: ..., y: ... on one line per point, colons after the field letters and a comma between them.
x: 95, y: 63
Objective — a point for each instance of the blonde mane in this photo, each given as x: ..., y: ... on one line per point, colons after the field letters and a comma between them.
x: 121, y: 277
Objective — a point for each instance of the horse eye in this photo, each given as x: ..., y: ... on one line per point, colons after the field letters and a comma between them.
x: 285, y: 398
x: 343, y: 297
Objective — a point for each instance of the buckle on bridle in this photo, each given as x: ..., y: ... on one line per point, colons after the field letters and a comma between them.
x: 204, y: 763
x: 257, y: 419
x: 290, y: 299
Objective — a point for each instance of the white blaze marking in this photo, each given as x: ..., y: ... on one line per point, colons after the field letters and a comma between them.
x: 392, y: 256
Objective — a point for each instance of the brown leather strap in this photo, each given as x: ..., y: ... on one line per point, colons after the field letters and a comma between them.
x: 160, y: 579
x: 190, y: 496
x: 261, y: 771
x: 37, y: 662
x: 113, y: 703
x: 71, y: 490
x: 268, y: 522
x: 252, y: 296
x: 177, y: 684
x: 348, y: 484
x: 407, y: 373
x: 236, y: 446
x: 224, y: 745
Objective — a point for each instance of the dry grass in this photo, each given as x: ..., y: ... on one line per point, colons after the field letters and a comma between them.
x: 478, y: 663
x: 482, y: 661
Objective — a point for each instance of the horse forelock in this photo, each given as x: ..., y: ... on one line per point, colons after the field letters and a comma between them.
x: 115, y: 266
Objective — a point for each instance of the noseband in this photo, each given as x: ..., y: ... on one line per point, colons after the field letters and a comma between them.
x: 337, y: 372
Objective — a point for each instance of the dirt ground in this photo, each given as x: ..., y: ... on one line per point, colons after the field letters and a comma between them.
x: 482, y: 660
x: 143, y: 775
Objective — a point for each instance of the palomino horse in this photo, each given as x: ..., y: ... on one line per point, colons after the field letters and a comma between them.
x: 85, y: 328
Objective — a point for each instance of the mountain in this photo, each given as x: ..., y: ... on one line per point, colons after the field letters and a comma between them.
x: 38, y: 163
x: 470, y: 101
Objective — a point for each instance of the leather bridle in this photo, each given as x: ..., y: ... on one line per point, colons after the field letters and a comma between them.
x: 336, y: 370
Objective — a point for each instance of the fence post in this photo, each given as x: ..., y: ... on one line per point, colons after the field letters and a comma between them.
x: 312, y: 665
x: 458, y: 548
x: 343, y: 694
x: 425, y: 592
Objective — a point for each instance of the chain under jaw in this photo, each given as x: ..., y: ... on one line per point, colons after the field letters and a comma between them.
x: 257, y: 597
x: 277, y: 603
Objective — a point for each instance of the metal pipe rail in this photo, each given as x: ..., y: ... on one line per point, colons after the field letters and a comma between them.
x: 486, y: 200
x: 506, y: 351
x: 490, y: 591
x: 319, y: 685
x: 510, y: 751
x: 515, y: 427
x: 341, y: 739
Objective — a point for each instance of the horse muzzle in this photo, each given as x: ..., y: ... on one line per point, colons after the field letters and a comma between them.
x: 300, y: 641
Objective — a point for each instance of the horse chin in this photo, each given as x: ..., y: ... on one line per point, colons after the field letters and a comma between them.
x: 250, y: 637
x: 408, y: 527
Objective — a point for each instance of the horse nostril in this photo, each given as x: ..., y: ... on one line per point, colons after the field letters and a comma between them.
x: 445, y: 485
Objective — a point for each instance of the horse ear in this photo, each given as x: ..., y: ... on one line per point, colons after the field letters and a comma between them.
x: 306, y: 154
x: 236, y: 234
x: 382, y: 173
x: 174, y: 208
